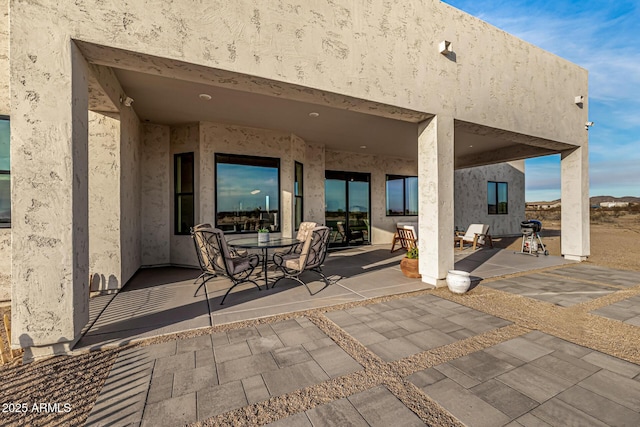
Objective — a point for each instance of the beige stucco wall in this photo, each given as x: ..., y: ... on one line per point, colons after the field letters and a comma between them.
x: 382, y: 226
x: 471, y: 197
x: 5, y: 264
x: 155, y: 197
x: 5, y: 109
x: 105, y: 261
x: 130, y: 186
x: 314, y: 206
x: 349, y: 49
x: 184, y: 139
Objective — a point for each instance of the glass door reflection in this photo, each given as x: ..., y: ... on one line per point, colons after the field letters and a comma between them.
x: 347, y: 199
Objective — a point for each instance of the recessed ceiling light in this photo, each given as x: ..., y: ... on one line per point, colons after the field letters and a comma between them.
x: 205, y: 96
x: 363, y: 146
x: 314, y: 114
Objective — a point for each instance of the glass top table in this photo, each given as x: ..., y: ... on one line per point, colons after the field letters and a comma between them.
x: 272, y: 243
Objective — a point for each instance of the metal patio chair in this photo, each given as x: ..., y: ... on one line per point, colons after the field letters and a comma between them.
x: 217, y: 259
x: 311, y: 258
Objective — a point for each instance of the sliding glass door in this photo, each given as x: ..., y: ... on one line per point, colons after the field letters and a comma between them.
x: 347, y: 207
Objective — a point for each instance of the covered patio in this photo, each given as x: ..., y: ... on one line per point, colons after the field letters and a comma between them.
x: 161, y: 301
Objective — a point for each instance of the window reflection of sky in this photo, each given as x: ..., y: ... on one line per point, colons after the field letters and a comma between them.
x: 235, y: 183
x: 4, y: 145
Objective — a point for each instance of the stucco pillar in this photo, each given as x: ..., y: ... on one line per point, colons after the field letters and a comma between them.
x: 49, y: 192
x: 105, y: 259
x: 574, y: 170
x: 435, y: 198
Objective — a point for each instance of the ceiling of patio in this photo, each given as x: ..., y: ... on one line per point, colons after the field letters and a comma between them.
x: 170, y: 101
x: 166, y: 91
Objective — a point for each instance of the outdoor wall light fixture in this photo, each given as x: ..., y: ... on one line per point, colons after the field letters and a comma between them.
x: 579, y: 100
x: 126, y: 100
x: 445, y: 47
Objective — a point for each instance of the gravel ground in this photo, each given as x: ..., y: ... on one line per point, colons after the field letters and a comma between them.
x: 77, y: 380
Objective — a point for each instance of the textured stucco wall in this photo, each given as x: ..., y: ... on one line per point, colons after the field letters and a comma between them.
x: 49, y: 180
x: 314, y: 206
x: 155, y: 197
x: 105, y: 263
x: 350, y: 49
x: 382, y: 226
x: 184, y: 139
x: 471, y: 197
x: 5, y: 109
x: 5, y: 264
x: 130, y: 185
x: 4, y: 58
x: 227, y: 139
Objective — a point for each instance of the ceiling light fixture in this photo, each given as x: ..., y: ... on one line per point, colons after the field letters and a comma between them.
x: 363, y: 146
x: 205, y: 97
x: 314, y: 114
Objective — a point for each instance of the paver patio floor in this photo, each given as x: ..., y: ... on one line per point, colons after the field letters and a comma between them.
x: 427, y: 357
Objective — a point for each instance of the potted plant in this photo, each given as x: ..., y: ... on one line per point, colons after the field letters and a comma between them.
x: 409, y: 264
x: 263, y: 235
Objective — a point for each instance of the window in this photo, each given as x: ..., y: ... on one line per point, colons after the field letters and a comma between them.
x: 402, y: 195
x: 497, y: 198
x: 298, y: 193
x: 5, y: 173
x: 247, y: 193
x: 183, y: 184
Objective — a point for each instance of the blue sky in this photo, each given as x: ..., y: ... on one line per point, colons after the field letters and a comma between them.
x: 601, y: 36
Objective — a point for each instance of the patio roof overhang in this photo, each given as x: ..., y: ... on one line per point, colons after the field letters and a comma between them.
x: 166, y: 91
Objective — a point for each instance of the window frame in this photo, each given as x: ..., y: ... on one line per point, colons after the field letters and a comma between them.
x: 177, y: 195
x: 496, y: 201
x: 404, y: 194
x: 298, y: 194
x: 7, y: 172
x: 246, y: 160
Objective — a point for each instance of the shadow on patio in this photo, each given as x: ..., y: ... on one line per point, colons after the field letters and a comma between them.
x: 160, y: 301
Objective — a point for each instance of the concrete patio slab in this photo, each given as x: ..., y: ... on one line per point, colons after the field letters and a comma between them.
x: 418, y: 349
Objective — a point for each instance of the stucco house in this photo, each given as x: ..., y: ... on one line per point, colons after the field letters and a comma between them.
x: 131, y: 121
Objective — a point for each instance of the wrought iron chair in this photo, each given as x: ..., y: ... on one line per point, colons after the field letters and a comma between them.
x: 217, y: 259
x: 310, y: 258
x: 305, y: 228
x: 207, y: 273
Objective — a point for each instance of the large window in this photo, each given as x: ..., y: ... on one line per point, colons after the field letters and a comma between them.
x: 183, y: 196
x: 247, y: 193
x: 402, y: 195
x: 298, y: 193
x: 497, y: 198
x: 5, y: 174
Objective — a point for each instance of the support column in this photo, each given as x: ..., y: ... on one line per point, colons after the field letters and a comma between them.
x: 435, y: 198
x: 575, y: 237
x: 50, y: 255
x: 105, y: 259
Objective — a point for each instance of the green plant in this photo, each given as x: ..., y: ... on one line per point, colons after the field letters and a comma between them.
x: 263, y: 230
x: 412, y: 253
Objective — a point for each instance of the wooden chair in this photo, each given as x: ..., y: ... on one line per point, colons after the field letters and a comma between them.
x: 476, y: 235
x: 406, y: 239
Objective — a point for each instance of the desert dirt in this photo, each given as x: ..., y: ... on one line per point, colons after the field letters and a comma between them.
x: 77, y: 380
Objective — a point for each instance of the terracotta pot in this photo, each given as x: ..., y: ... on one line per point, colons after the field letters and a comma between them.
x: 409, y: 268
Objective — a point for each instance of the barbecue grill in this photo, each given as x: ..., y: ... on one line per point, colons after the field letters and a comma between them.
x: 531, y: 239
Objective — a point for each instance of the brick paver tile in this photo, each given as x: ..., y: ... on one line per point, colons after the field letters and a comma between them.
x: 175, y: 411
x: 381, y: 408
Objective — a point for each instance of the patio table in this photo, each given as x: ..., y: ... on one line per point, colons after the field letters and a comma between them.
x: 273, y: 243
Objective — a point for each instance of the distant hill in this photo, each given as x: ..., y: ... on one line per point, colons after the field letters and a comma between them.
x: 595, y: 200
